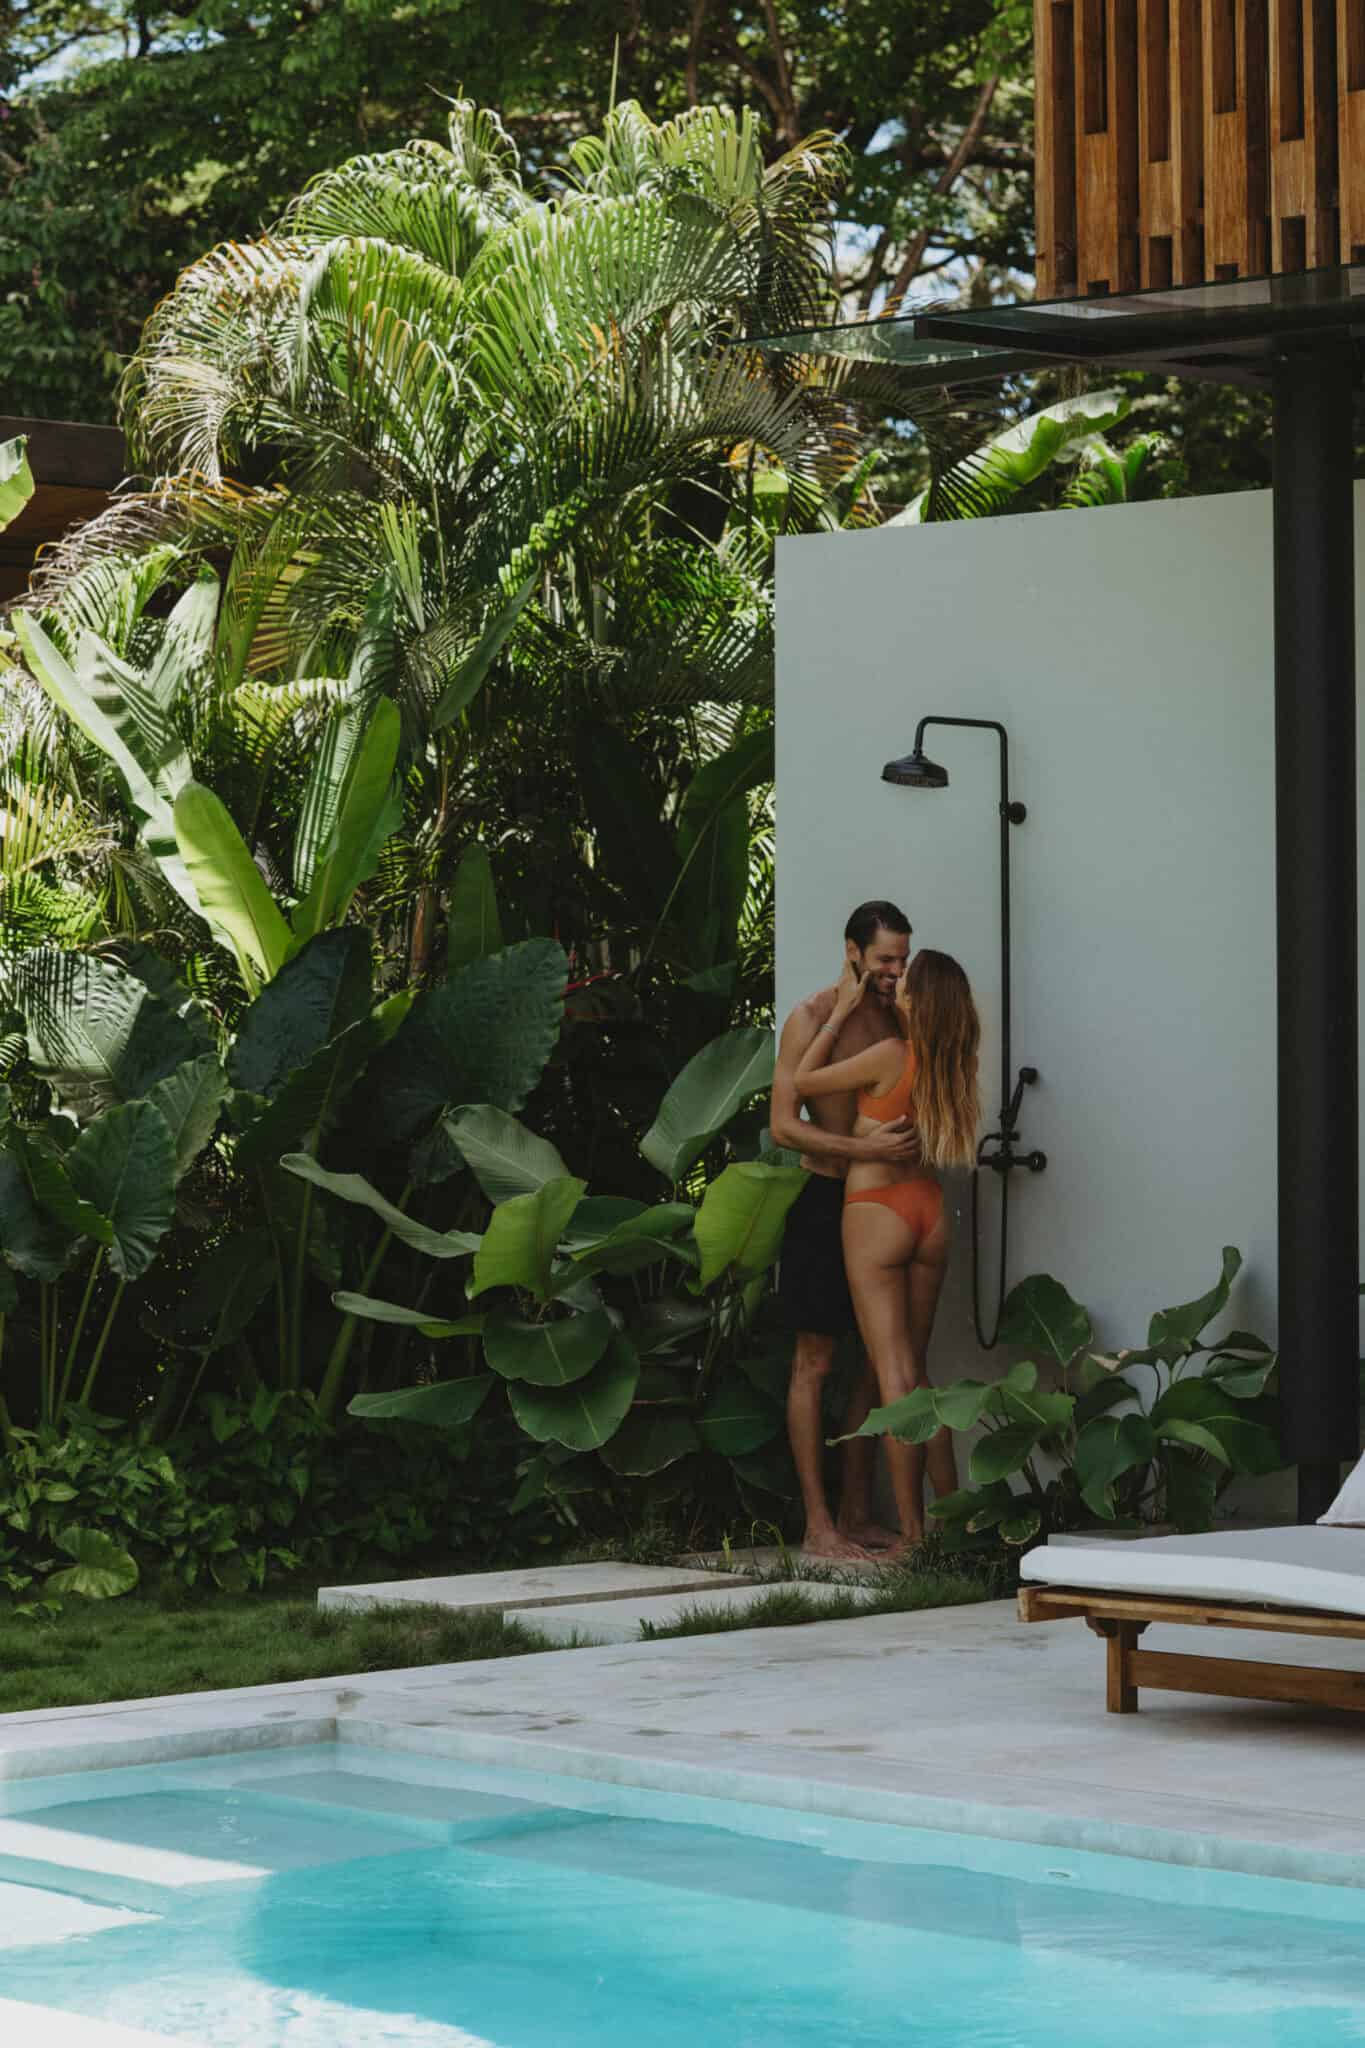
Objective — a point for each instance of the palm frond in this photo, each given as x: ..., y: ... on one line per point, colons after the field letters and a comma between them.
x: 52, y: 849
x: 406, y: 198
x: 486, y: 158
x: 187, y: 512
x: 222, y: 341
x: 562, y: 287
x: 40, y: 828
x: 111, y: 594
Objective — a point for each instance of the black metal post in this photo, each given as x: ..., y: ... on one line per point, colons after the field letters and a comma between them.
x: 1316, y: 932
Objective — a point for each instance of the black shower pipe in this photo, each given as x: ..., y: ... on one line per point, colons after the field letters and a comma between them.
x: 915, y: 772
x: 1010, y: 814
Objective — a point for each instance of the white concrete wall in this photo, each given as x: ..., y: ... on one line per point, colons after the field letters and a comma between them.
x: 1128, y: 651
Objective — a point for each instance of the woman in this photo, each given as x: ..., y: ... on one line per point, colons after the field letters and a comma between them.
x: 896, y: 1235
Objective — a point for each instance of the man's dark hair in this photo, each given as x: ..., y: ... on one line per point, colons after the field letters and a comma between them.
x: 870, y: 918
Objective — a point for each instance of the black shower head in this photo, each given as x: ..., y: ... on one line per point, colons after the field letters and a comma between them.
x: 916, y: 771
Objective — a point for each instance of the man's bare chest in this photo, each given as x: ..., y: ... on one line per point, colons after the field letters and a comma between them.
x: 860, y: 1033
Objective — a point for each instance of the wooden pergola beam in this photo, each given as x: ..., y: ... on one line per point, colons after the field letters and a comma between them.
x: 75, y: 468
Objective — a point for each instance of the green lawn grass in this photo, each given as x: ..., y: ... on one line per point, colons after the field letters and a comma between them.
x: 904, y: 1593
x: 136, y: 1647
x: 133, y: 1648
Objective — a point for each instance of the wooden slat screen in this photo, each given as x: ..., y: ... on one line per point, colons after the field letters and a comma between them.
x: 1351, y: 127
x: 1185, y: 140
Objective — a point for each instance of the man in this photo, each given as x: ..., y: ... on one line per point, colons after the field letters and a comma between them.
x: 812, y: 1287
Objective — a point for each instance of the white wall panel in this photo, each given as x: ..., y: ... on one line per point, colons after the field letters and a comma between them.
x: 1128, y: 651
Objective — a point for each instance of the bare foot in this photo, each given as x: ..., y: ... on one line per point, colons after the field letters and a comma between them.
x: 829, y: 1546
x: 870, y: 1535
x: 901, y: 1548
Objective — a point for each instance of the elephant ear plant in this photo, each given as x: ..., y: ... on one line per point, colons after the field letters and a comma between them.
x: 618, y: 1328
x: 88, y: 1186
x: 1147, y: 1435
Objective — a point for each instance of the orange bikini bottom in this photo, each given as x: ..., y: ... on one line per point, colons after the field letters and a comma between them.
x: 917, y: 1202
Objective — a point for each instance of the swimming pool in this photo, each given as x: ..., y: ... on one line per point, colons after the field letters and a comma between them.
x: 342, y: 1897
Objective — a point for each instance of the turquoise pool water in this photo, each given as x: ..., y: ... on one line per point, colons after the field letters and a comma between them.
x: 338, y: 1897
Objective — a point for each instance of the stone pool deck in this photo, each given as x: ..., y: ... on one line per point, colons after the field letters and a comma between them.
x: 957, y: 1718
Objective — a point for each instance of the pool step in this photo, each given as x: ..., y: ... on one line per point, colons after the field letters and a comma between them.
x: 436, y: 1813
x: 131, y: 1855
x: 149, y: 1843
x: 43, y: 2026
x: 33, y: 1912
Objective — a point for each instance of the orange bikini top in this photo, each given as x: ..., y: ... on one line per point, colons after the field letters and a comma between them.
x: 896, y: 1102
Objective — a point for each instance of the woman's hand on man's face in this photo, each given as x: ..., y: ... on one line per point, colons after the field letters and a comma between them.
x: 851, y: 988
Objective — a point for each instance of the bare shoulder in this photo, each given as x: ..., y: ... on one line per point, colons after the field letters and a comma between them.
x: 804, y: 1020
x: 812, y: 1011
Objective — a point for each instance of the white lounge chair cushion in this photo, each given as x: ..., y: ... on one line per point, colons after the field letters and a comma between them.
x: 1299, y: 1567
x: 1348, y: 1509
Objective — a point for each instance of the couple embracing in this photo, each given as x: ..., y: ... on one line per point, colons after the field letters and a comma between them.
x: 885, y: 1064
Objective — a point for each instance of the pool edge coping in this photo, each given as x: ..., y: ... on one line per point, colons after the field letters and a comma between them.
x: 718, y: 1778
x: 836, y: 1799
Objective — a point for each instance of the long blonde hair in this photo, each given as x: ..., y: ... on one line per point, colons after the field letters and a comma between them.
x: 944, y: 1034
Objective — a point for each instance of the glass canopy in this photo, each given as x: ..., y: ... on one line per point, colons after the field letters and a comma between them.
x: 1227, y: 331
x: 894, y: 342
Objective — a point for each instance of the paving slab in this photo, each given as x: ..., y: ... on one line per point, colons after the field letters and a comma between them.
x: 619, y: 1621
x: 773, y: 1560
x: 509, y: 1592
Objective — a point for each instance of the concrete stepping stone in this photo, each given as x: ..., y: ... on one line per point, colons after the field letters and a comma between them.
x: 618, y: 1621
x: 539, y: 1586
x: 770, y: 1558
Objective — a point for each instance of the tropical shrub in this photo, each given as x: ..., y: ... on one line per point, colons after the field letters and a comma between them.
x: 130, y: 1088
x: 1152, y: 1434
x: 628, y: 1335
x: 248, y: 1489
x: 88, y: 1195
x: 215, y: 1171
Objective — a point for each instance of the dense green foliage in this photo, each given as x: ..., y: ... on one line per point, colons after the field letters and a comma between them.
x: 277, y: 878
x: 139, y: 135
x: 512, y: 478
x: 575, y: 1299
x: 240, y: 1493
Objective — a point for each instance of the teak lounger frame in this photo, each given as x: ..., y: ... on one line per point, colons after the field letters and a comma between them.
x: 1122, y: 1617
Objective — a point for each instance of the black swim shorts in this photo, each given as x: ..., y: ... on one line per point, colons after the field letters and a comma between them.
x: 812, y: 1287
